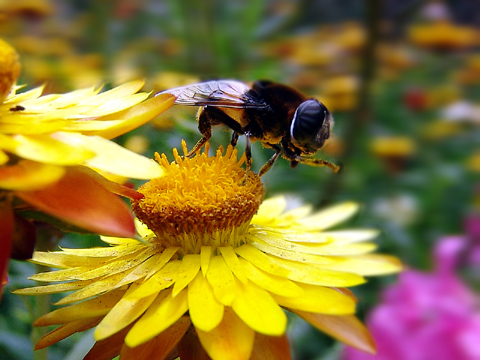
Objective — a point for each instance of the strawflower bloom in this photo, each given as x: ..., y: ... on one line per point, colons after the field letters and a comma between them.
x: 50, y: 144
x: 214, y: 272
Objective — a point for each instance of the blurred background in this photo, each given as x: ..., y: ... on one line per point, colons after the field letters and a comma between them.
x: 401, y: 77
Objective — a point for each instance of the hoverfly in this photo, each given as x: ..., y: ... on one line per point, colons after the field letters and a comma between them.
x: 268, y: 112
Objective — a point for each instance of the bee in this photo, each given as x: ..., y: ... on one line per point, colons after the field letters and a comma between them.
x: 277, y: 115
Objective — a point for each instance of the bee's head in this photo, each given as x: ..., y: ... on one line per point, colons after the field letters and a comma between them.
x: 310, y: 126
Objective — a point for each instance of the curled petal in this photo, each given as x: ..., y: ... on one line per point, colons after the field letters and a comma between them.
x: 29, y: 175
x: 81, y: 201
x: 271, y: 348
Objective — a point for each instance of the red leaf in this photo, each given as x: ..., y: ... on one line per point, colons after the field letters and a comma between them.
x: 79, y: 199
x: 6, y: 233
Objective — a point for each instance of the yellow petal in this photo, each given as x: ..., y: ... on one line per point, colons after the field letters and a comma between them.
x: 3, y: 157
x: 27, y: 95
x: 351, y: 236
x: 113, y: 158
x: 329, y: 217
x: 65, y: 331
x: 189, y: 267
x: 274, y: 284
x: 123, y: 90
x: 113, y: 251
x: 59, y: 259
x: 296, y: 213
x: 222, y: 281
x: 292, y: 234
x: 135, y: 116
x: 205, y: 255
x: 44, y: 148
x: 29, y: 175
x: 112, y: 105
x: 231, y: 340
x: 162, y: 279
x: 269, y: 210
x: 314, y: 254
x: 53, y: 289
x: 67, y: 100
x: 319, y: 299
x: 125, y: 312
x: 346, y: 328
x: 59, y: 275
x: 296, y: 271
x: 368, y: 265
x: 120, y: 265
x: 205, y: 310
x: 231, y: 259
x: 91, y: 126
x: 143, y: 229
x: 6, y: 142
x: 161, y: 345
x: 259, y: 310
x: 97, y: 287
x: 164, y: 312
x: 88, y: 309
x: 112, y: 240
x: 294, y: 255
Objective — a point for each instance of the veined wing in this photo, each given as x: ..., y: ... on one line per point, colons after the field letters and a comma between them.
x: 221, y: 93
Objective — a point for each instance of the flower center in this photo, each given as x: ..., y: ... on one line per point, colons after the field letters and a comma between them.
x: 9, y: 69
x: 201, y: 201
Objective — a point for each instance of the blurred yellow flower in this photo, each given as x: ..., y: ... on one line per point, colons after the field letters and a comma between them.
x: 393, y: 146
x: 214, y: 270
x: 443, y: 35
x: 473, y: 162
x: 340, y: 93
x: 441, y: 129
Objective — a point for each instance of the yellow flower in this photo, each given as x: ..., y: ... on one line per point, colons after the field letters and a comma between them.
x: 214, y: 271
x: 47, y: 142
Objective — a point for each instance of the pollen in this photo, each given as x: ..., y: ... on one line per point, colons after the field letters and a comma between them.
x: 9, y: 68
x: 201, y: 201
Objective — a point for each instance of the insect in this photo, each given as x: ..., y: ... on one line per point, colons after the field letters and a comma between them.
x: 279, y: 116
x: 17, y: 108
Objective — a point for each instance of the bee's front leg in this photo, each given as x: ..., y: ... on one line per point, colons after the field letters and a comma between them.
x: 205, y: 128
x: 248, y: 151
x: 271, y: 161
x: 234, y: 140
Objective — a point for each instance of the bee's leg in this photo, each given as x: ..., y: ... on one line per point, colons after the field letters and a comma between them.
x: 248, y: 151
x: 271, y: 161
x: 234, y: 140
x: 205, y: 128
x: 315, y: 162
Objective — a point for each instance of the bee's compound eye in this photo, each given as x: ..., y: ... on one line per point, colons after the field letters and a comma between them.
x: 310, y: 126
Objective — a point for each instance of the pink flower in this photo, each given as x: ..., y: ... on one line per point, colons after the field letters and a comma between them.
x: 426, y: 316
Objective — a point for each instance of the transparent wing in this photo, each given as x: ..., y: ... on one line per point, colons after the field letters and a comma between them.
x: 221, y: 93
